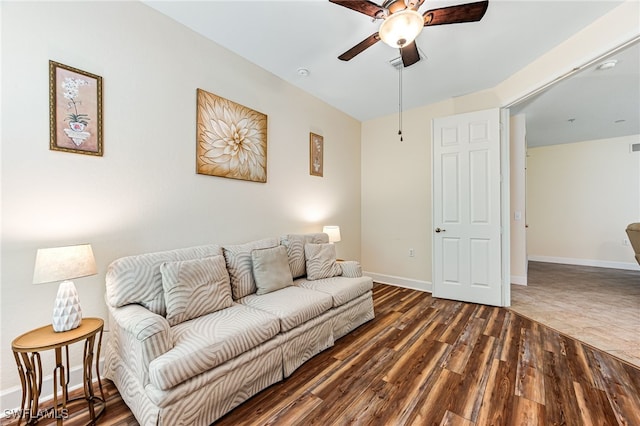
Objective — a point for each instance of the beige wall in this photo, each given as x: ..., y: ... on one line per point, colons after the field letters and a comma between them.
x: 143, y: 194
x: 395, y: 197
x: 580, y: 198
x: 396, y: 176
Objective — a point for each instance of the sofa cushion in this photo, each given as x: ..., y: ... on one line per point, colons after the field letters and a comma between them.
x: 271, y: 269
x: 239, y: 265
x: 321, y: 261
x: 210, y: 340
x: 292, y: 305
x: 295, y: 250
x: 341, y: 289
x: 137, y: 279
x: 193, y: 288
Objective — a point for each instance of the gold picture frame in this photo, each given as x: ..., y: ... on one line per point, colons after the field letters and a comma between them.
x: 75, y: 110
x: 316, y: 155
x: 231, y: 139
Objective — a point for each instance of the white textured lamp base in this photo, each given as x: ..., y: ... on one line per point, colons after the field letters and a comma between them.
x: 67, y: 313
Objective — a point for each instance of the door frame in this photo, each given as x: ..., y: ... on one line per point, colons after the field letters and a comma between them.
x: 505, y: 205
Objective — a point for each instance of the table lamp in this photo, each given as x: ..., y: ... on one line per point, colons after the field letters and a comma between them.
x: 333, y: 232
x: 64, y: 264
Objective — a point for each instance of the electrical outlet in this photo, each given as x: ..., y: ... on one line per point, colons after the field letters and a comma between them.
x: 412, y: 253
x: 625, y: 242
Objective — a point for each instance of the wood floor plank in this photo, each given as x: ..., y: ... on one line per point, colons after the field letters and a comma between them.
x: 634, y: 377
x: 411, y: 397
x: 529, y: 373
x: 410, y: 360
x: 464, y: 344
x: 438, y: 399
x: 452, y: 419
x: 510, y: 336
x: 458, y: 322
x: 594, y: 406
x: 498, y: 396
x: 475, y: 378
x: 364, y: 339
x: 560, y: 399
x: 352, y: 385
x: 495, y: 322
x: 578, y: 364
x: 527, y: 412
x: 620, y: 390
x: 295, y: 411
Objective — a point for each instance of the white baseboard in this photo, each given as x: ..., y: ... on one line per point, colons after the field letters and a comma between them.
x: 519, y: 280
x: 400, y: 281
x: 11, y: 397
x: 587, y: 262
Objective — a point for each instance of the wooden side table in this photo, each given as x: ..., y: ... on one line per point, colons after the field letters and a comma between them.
x: 26, y: 350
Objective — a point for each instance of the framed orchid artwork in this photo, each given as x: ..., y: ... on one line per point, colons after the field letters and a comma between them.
x: 75, y: 110
x: 231, y: 139
x: 316, y: 153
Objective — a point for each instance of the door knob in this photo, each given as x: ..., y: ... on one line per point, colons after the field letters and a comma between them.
x: 440, y: 230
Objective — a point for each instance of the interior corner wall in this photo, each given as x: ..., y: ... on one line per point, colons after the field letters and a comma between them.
x: 144, y: 195
x: 580, y: 199
x: 517, y: 188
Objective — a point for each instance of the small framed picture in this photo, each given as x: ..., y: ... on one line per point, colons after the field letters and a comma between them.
x: 316, y: 151
x: 75, y: 110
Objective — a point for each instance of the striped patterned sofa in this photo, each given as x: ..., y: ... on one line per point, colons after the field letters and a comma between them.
x: 194, y: 332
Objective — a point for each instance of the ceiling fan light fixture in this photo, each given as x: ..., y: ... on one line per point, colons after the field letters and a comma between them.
x: 401, y: 28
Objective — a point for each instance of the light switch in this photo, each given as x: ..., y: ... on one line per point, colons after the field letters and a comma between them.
x: 517, y: 215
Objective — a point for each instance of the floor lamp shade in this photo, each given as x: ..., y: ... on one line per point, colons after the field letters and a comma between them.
x: 64, y: 264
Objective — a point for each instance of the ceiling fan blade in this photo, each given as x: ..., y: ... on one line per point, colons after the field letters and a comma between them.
x: 410, y: 54
x: 470, y: 12
x: 369, y: 8
x: 360, y: 47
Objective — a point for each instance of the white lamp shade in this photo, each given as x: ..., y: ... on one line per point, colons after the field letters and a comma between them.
x: 333, y: 232
x: 401, y: 28
x: 64, y: 263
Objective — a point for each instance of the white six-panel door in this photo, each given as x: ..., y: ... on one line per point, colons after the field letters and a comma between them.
x: 466, y: 208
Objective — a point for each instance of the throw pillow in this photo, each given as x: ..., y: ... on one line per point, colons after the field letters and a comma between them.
x: 238, y: 259
x: 295, y: 250
x: 271, y: 269
x: 321, y: 261
x: 193, y: 288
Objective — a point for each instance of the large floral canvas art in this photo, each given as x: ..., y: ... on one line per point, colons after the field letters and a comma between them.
x: 231, y: 139
x: 75, y: 110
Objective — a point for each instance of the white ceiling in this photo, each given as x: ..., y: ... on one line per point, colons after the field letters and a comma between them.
x: 283, y: 36
x: 592, y: 104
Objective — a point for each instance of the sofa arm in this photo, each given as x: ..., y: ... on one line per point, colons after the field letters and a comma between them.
x: 138, y: 336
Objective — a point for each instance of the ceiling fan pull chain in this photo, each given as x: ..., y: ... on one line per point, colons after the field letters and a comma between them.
x: 400, y: 102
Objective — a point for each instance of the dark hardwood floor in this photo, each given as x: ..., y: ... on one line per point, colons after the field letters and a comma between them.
x: 426, y: 361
